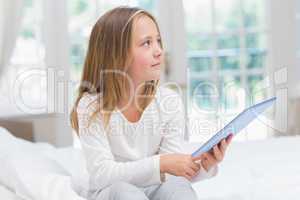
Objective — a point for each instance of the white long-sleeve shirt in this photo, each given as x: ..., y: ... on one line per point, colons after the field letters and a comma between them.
x: 130, y: 151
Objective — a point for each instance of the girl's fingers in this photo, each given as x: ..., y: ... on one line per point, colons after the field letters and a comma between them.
x: 223, y: 145
x: 229, y: 138
x: 195, y: 166
x: 205, y: 165
x: 218, y: 154
x: 225, y: 142
x: 208, y: 161
x: 190, y: 172
x: 197, y: 158
x: 188, y: 177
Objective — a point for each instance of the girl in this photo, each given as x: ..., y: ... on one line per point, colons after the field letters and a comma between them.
x: 131, y: 130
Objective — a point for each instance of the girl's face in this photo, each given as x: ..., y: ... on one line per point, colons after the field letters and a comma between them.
x: 146, y: 52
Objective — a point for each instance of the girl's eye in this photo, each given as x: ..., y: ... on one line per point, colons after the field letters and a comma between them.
x: 147, y: 43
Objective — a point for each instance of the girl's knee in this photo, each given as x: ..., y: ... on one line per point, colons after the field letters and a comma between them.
x: 178, y: 181
x: 123, y: 190
x: 177, y: 188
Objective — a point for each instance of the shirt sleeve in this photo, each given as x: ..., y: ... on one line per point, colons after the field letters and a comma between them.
x: 102, y: 167
x: 173, y: 135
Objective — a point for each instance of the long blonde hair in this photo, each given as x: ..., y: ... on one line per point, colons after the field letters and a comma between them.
x: 109, y: 49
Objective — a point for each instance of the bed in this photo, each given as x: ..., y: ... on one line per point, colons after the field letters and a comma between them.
x: 268, y: 169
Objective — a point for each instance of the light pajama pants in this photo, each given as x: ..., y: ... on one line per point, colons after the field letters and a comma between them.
x: 175, y: 188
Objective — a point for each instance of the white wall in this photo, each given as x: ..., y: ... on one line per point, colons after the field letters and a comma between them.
x: 283, y: 64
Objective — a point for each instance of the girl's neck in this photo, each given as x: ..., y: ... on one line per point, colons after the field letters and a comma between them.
x: 132, y: 99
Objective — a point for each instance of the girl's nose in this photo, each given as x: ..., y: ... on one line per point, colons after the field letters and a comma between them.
x: 157, y: 51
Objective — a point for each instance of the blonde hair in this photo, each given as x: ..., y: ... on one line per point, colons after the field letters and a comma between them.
x: 109, y: 49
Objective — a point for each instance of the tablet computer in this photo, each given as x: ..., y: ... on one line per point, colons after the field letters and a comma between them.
x: 235, y: 125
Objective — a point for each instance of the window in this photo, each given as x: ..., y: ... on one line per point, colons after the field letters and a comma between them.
x: 226, y: 42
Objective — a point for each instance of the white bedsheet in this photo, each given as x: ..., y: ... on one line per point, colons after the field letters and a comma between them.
x: 254, y: 170
x: 6, y: 194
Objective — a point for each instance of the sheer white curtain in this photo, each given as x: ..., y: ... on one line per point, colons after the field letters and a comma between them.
x: 10, y: 21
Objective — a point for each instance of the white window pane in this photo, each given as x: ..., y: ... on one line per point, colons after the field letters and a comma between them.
x: 198, y: 16
x: 228, y: 41
x: 228, y: 15
x: 200, y: 62
x: 232, y: 98
x: 256, y: 58
x: 254, y: 13
x: 202, y: 95
x: 256, y: 40
x: 229, y: 59
x: 256, y: 91
x: 198, y: 41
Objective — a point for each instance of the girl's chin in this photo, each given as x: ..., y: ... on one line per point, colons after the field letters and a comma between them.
x: 156, y: 75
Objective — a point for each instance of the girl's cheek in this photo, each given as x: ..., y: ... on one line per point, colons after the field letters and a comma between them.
x: 137, y: 66
x: 143, y: 60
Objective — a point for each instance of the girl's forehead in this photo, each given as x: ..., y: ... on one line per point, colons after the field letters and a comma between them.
x: 143, y: 26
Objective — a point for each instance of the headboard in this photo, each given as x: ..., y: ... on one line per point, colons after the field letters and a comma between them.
x: 19, y: 129
x: 52, y: 128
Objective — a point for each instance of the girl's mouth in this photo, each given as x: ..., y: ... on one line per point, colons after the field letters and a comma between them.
x: 156, y: 65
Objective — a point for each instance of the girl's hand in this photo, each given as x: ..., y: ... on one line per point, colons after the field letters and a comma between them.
x: 215, y: 155
x: 179, y: 165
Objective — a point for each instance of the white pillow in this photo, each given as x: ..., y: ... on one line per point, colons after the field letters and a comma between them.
x: 8, y: 145
x: 15, y: 152
x: 73, y: 161
x: 7, y: 141
x: 38, y: 177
